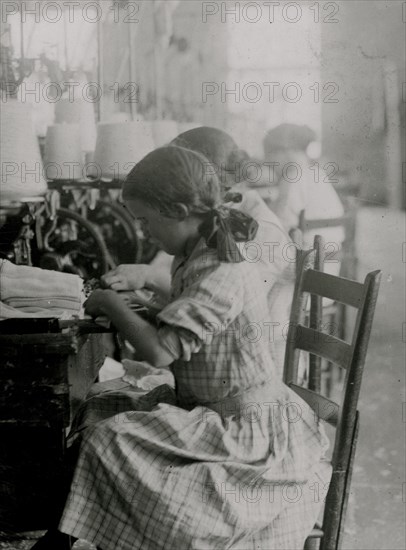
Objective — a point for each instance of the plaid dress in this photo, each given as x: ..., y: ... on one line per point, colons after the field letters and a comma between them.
x: 231, y: 459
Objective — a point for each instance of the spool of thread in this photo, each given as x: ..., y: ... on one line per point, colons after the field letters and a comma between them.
x: 164, y: 131
x: 79, y: 112
x: 120, y: 146
x: 63, y: 157
x: 22, y: 175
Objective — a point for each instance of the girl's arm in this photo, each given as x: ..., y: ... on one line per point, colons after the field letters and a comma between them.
x: 142, y: 335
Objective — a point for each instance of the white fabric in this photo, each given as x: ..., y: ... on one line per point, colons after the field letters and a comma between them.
x: 27, y: 291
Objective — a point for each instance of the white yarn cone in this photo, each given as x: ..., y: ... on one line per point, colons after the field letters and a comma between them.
x: 22, y: 174
x: 79, y: 112
x: 164, y: 131
x: 120, y: 146
x: 63, y: 156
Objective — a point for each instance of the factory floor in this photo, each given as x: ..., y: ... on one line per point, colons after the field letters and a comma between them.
x: 376, y: 514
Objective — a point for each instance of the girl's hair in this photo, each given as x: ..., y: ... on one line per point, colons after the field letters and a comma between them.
x: 216, y: 145
x: 173, y: 175
x: 219, y: 148
x: 288, y: 137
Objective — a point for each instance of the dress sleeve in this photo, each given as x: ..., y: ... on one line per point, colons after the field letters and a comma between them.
x: 179, y: 342
x: 209, y: 302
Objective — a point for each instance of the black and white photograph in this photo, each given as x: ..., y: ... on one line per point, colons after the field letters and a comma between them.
x: 202, y: 275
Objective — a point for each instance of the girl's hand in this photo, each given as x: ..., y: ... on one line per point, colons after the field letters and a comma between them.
x: 127, y: 277
x: 98, y: 302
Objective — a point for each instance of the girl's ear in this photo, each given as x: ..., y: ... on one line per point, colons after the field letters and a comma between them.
x: 180, y: 210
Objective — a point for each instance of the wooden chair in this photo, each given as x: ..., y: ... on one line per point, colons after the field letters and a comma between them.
x: 350, y: 356
x: 345, y: 254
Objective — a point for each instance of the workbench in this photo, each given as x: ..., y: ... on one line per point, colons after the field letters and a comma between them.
x: 46, y: 369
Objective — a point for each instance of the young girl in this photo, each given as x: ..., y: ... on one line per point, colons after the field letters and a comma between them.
x: 227, y: 461
x: 271, y: 251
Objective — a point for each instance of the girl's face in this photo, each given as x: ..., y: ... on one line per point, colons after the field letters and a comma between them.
x: 289, y: 162
x: 172, y: 235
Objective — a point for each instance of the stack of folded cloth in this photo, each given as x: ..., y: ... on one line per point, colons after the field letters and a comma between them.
x: 27, y: 291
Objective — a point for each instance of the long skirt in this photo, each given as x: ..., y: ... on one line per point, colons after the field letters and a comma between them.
x: 152, y: 475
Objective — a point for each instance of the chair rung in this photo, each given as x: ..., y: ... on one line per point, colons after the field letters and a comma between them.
x: 310, y: 225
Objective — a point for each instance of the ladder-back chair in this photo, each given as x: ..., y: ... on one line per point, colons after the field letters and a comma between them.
x: 344, y: 253
x: 350, y: 356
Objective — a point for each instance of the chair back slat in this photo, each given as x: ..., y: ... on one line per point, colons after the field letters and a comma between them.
x: 324, y: 408
x: 323, y: 345
x: 338, y: 289
x: 311, y: 225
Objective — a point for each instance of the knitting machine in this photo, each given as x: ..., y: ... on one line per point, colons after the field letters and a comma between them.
x: 78, y: 228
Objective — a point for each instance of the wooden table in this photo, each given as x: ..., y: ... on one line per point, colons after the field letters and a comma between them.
x: 43, y: 378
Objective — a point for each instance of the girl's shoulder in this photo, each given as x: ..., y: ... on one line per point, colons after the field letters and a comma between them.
x: 204, y: 262
x: 203, y: 268
x: 205, y: 291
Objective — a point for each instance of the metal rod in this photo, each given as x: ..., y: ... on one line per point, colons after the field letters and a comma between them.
x: 21, y: 37
x: 100, y: 71
x: 157, y: 65
x: 65, y: 35
x: 130, y: 65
